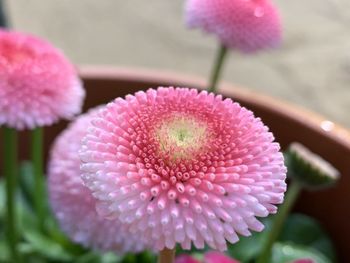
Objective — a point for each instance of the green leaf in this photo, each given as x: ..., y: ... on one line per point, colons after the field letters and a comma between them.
x: 29, y: 253
x: 4, y: 252
x: 285, y: 253
x: 112, y: 258
x: 304, y: 230
x: 129, y: 258
x: 52, y: 229
x: 300, y: 230
x: 92, y: 257
x: 89, y: 257
x: 2, y: 207
x: 52, y: 245
x: 146, y: 257
x: 247, y: 248
x: 46, y: 247
x: 26, y: 182
x: 26, y: 250
x: 59, y: 237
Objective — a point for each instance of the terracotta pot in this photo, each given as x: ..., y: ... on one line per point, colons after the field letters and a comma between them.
x: 288, y: 123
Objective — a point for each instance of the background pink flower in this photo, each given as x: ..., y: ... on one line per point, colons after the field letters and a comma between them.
x: 246, y: 25
x: 182, y: 166
x: 209, y: 257
x: 305, y: 260
x: 38, y: 85
x: 73, y: 203
x: 217, y: 257
x: 186, y: 259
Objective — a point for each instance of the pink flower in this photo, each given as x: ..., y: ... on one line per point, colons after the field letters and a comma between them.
x: 209, y: 257
x: 246, y: 25
x: 73, y: 203
x: 305, y: 260
x: 217, y: 257
x: 38, y: 85
x: 185, y: 259
x: 182, y: 166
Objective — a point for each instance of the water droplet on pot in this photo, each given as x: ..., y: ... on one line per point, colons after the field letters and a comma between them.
x: 327, y: 125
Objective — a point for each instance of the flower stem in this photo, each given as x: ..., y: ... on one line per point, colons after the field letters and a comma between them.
x: 278, y: 221
x: 216, y: 71
x: 3, y: 18
x: 166, y: 256
x: 39, y: 186
x: 10, y: 170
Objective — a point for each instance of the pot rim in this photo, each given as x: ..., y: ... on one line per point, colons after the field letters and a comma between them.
x: 312, y: 120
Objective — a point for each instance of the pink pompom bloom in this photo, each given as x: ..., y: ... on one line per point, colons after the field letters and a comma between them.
x: 186, y: 259
x: 305, y: 260
x: 209, y: 257
x: 38, y: 85
x: 73, y: 203
x: 217, y: 257
x: 246, y: 25
x: 183, y: 166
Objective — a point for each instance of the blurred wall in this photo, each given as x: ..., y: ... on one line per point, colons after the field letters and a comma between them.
x: 312, y: 68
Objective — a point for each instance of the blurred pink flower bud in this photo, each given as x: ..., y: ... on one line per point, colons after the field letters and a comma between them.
x: 38, y: 85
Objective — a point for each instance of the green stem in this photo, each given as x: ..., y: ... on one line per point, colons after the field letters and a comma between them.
x: 3, y: 18
x: 216, y: 71
x: 166, y: 256
x: 10, y: 170
x: 278, y: 221
x: 39, y: 185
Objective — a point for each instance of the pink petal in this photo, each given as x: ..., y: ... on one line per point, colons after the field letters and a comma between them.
x: 185, y: 259
x: 217, y: 257
x: 305, y: 260
x: 73, y: 204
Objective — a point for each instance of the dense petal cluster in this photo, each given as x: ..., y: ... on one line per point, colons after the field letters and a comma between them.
x: 73, y: 203
x: 246, y: 25
x: 38, y: 85
x: 183, y: 166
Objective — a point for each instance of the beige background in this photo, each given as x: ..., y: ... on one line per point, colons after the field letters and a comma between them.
x: 312, y: 68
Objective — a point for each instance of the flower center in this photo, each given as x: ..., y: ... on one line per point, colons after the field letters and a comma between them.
x: 181, y: 137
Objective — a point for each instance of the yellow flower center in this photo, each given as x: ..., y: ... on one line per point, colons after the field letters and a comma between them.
x: 181, y: 137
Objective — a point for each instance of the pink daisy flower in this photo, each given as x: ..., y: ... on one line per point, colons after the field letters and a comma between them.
x: 182, y: 166
x: 38, y: 85
x: 217, y: 257
x: 246, y: 25
x: 209, y: 257
x: 73, y: 203
x: 186, y: 259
